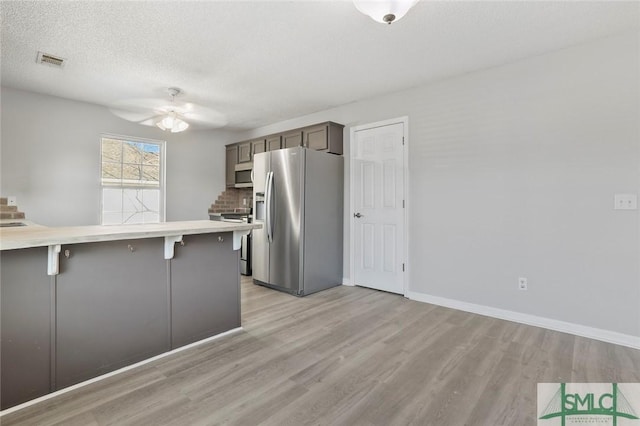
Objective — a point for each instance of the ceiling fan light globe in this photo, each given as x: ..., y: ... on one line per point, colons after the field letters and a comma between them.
x: 168, y: 121
x: 179, y: 126
x: 378, y: 10
x: 173, y: 123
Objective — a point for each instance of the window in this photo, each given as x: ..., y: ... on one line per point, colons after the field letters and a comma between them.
x: 132, y: 175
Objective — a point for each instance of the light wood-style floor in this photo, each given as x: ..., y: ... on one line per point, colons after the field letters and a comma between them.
x: 345, y: 356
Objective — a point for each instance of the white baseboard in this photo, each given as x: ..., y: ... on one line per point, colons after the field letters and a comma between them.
x: 113, y: 373
x: 548, y: 323
x: 346, y: 281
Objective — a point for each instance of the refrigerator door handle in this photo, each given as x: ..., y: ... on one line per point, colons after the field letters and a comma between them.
x: 268, y: 202
x: 266, y: 205
x: 271, y: 206
x: 272, y: 214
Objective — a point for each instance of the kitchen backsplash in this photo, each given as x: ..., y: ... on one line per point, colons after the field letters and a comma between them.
x: 233, y: 200
x: 9, y: 212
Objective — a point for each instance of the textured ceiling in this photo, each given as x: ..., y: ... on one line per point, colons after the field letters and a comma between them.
x: 260, y: 62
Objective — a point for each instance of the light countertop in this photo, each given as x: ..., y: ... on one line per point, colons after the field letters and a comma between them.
x: 34, y: 235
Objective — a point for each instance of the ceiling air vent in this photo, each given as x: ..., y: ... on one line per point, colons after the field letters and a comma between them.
x: 51, y: 60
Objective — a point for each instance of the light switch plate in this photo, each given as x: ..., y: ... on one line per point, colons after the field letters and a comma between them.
x: 12, y: 201
x: 625, y: 202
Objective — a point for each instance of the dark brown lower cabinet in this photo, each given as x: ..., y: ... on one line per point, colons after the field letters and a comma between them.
x: 111, y: 307
x: 25, y: 315
x: 205, y: 297
x: 112, y: 304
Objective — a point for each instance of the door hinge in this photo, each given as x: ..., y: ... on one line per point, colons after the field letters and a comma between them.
x: 403, y: 267
x: 403, y: 140
x: 403, y: 204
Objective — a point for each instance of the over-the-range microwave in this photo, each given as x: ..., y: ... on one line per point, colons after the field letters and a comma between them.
x: 244, y: 175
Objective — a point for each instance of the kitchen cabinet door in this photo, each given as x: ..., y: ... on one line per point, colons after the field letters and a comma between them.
x: 257, y: 147
x: 112, y: 307
x: 324, y: 137
x: 25, y: 318
x: 205, y: 288
x: 244, y: 152
x: 317, y: 138
x: 291, y: 139
x: 230, y: 168
x: 273, y: 143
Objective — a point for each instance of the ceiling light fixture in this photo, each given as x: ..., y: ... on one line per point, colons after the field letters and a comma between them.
x: 384, y: 11
x: 173, y: 121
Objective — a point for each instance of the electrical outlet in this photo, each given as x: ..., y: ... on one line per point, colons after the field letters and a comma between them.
x: 522, y: 283
x: 12, y: 201
x: 625, y: 202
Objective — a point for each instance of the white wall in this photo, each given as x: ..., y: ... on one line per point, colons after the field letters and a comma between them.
x: 50, y: 157
x: 512, y: 173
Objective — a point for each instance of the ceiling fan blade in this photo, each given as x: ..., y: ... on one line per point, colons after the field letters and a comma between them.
x: 146, y: 111
x: 152, y: 121
x: 134, y: 116
x: 140, y: 104
x: 206, y: 117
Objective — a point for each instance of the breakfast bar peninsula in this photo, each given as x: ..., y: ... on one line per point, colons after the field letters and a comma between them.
x: 79, y: 302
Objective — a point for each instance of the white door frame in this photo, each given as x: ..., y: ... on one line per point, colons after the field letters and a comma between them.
x: 405, y: 187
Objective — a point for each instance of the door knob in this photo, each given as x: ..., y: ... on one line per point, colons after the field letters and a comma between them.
x: 358, y: 215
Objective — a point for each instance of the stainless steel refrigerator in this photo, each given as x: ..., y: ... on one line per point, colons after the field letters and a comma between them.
x: 298, y: 199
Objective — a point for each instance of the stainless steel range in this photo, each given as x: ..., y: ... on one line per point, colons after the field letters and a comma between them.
x: 245, y: 249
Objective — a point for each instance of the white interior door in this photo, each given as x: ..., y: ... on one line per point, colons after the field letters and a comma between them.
x: 377, y: 217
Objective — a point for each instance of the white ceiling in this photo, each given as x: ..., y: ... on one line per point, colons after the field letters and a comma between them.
x: 260, y: 62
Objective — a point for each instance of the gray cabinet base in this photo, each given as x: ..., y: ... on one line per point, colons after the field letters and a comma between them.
x: 112, y: 307
x: 205, y: 298
x: 113, y: 304
x: 25, y: 315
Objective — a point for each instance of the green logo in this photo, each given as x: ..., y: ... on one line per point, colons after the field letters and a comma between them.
x: 586, y: 402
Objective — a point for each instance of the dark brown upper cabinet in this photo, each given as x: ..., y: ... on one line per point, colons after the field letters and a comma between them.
x: 274, y: 142
x: 291, y: 139
x: 257, y: 147
x: 244, y: 152
x: 232, y: 160
x: 324, y: 137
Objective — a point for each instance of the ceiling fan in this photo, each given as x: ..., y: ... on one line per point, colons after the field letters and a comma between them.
x: 170, y: 115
